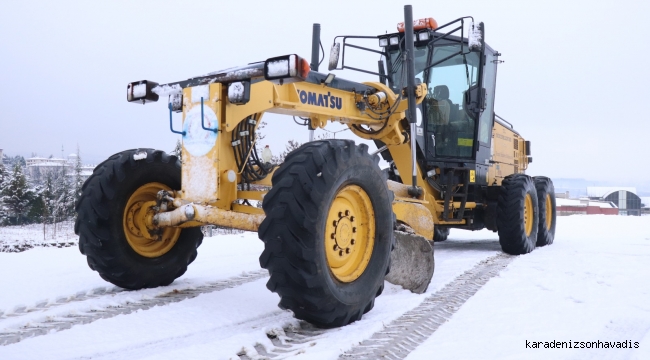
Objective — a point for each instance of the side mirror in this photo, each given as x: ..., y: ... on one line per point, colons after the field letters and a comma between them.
x: 475, y: 101
x: 334, y: 56
x: 475, y: 38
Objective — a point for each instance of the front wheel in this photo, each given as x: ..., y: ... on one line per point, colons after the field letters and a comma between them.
x: 114, y: 221
x: 328, y: 232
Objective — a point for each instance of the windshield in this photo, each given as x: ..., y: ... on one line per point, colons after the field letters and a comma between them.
x: 450, y: 127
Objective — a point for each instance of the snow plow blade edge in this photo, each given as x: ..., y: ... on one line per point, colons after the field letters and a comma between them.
x: 412, y: 262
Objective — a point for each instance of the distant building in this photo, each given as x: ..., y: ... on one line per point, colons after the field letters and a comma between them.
x: 645, y: 205
x: 562, y: 195
x: 625, y: 198
x: 585, y: 206
x: 38, y: 168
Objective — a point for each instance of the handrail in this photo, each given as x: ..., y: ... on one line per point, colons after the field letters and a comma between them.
x: 170, y: 122
x: 504, y: 120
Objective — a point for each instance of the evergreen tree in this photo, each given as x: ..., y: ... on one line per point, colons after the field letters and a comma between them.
x: 16, y: 194
x: 4, y: 215
x: 63, y: 196
x: 3, y: 173
x: 78, y: 179
x: 47, y: 197
x: 18, y: 160
x: 36, y: 205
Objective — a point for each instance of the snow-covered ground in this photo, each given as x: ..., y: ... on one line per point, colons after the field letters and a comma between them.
x: 590, y: 285
x: 21, y: 238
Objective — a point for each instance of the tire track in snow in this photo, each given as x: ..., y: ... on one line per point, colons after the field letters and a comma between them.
x: 415, y: 326
x: 287, y: 342
x: 403, y: 334
x: 22, y: 310
x: 64, y: 322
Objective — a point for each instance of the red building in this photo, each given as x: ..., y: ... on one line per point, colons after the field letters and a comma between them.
x: 585, y: 207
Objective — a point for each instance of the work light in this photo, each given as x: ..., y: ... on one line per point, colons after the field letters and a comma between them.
x: 286, y: 69
x: 140, y: 91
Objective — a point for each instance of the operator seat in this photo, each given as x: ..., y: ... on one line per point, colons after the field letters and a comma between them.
x: 442, y: 105
x: 441, y: 92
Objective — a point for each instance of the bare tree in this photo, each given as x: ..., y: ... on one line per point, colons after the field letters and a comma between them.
x: 289, y: 147
x: 178, y: 150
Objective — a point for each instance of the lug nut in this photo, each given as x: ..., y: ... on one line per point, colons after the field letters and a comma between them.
x: 334, y: 222
x: 347, y: 212
x: 352, y: 218
x: 333, y: 236
x: 354, y: 229
x: 352, y: 242
x: 335, y: 247
x: 340, y: 214
x: 347, y: 250
x: 341, y: 253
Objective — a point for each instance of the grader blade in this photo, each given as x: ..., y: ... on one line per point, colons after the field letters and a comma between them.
x: 412, y: 262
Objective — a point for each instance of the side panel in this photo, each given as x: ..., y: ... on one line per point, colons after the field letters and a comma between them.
x: 508, y: 154
x: 200, y: 151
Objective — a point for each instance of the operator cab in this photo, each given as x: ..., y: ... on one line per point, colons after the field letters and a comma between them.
x: 458, y: 111
x: 455, y: 121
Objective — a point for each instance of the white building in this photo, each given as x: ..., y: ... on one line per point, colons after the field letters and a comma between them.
x: 38, y: 167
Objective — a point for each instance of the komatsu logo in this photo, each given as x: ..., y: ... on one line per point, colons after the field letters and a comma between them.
x: 328, y: 101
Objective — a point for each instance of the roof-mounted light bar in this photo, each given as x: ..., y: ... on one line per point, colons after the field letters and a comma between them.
x: 286, y: 69
x: 419, y: 24
x: 140, y: 91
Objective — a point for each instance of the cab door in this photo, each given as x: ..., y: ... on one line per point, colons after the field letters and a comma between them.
x: 451, y: 120
x: 486, y: 119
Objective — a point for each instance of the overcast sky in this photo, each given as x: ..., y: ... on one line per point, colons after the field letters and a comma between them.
x: 574, y: 82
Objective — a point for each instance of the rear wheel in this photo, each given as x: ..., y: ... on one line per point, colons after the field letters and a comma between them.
x: 440, y: 234
x: 114, y: 222
x: 547, y: 214
x: 328, y: 232
x: 517, y: 215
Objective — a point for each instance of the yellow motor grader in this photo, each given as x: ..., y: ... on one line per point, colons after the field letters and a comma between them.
x: 329, y: 213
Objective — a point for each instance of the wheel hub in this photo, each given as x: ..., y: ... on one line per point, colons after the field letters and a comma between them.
x: 140, y: 220
x: 142, y: 235
x: 529, y: 213
x: 344, y: 233
x: 349, y: 233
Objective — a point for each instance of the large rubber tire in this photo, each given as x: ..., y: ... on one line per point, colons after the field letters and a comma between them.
x: 515, y: 234
x: 100, y: 214
x: 547, y: 211
x: 440, y: 234
x: 293, y: 232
